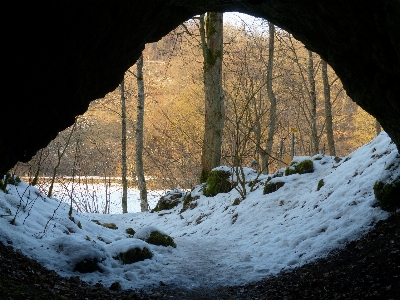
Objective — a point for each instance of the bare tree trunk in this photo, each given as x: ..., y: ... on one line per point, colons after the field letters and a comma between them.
x: 313, y: 101
x: 123, y: 147
x: 328, y: 109
x: 271, y: 97
x: 144, y: 205
x: 211, y: 37
x: 257, y: 132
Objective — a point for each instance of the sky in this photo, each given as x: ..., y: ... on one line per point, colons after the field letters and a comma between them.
x: 238, y: 19
x: 218, y: 243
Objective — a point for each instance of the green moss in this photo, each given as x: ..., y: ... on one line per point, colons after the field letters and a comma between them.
x: 87, y: 266
x: 79, y: 224
x: 320, y: 184
x: 204, y: 175
x: 165, y: 205
x: 130, y: 231
x: 306, y: 166
x: 97, y: 222
x: 160, y: 239
x: 253, y: 182
x: 217, y: 182
x: 272, y: 187
x: 388, y: 194
x: 236, y: 201
x: 134, y: 255
x: 187, y: 199
x: 87, y: 238
x: 110, y: 226
x: 188, y: 202
x: 289, y: 171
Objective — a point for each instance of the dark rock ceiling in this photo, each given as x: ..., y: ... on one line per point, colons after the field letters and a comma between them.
x: 59, y: 55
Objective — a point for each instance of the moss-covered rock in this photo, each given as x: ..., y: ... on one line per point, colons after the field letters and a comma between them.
x: 388, y: 194
x: 187, y: 199
x: 189, y: 202
x: 134, y: 255
x: 130, y: 231
x: 169, y: 200
x: 110, y: 226
x: 160, y: 239
x: 107, y: 225
x: 217, y: 182
x: 305, y: 166
x: 94, y: 221
x: 320, y: 184
x: 272, y: 187
x: 87, y: 266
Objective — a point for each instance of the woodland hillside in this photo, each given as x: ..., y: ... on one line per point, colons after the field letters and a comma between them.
x: 174, y: 112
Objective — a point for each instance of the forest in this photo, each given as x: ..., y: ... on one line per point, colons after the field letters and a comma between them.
x: 279, y: 100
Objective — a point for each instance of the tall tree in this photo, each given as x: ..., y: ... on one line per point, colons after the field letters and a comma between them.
x: 144, y: 205
x: 123, y: 148
x: 328, y: 108
x: 313, y: 102
x: 271, y: 97
x: 211, y: 32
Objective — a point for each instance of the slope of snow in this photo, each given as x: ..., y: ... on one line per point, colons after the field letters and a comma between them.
x: 218, y: 243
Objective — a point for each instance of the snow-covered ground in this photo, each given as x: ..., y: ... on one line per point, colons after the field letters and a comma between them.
x: 218, y: 243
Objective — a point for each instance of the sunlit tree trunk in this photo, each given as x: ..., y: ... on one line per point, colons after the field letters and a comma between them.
x: 211, y: 37
x: 144, y: 206
x: 313, y: 102
x: 328, y: 109
x: 257, y: 130
x: 271, y: 97
x: 123, y: 147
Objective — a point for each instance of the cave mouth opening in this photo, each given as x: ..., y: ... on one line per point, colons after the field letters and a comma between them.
x: 78, y: 52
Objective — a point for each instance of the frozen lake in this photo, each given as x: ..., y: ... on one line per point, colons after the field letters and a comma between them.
x: 100, y: 198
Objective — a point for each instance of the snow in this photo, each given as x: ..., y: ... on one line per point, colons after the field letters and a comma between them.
x: 93, y: 197
x: 218, y: 243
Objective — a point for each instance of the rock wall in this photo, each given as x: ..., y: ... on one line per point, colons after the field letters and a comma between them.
x: 60, y: 55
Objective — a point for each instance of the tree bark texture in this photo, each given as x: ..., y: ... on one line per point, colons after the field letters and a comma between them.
x: 328, y: 109
x: 123, y: 150
x: 212, y: 37
x: 144, y: 206
x: 313, y: 104
x: 271, y: 97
